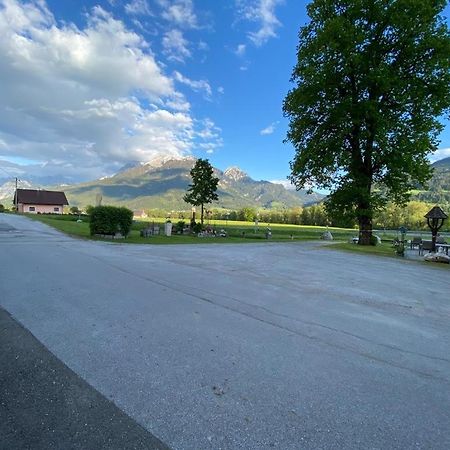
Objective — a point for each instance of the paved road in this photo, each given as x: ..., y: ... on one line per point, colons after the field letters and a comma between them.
x: 256, y: 346
x: 44, y: 405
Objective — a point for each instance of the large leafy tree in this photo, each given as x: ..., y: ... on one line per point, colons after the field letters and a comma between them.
x: 372, y: 81
x: 204, y: 185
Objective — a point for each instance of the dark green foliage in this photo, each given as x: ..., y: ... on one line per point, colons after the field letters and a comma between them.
x: 204, y: 186
x: 373, y: 77
x: 180, y: 226
x: 197, y: 227
x: 2, y: 208
x: 110, y: 220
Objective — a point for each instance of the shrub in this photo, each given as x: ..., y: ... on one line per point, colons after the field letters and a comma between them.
x: 180, y: 226
x: 110, y: 220
x: 197, y: 227
x: 373, y: 240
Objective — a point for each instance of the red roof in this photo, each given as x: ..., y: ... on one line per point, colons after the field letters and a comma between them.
x: 40, y: 197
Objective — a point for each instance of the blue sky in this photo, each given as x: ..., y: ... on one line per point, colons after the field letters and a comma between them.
x: 87, y: 86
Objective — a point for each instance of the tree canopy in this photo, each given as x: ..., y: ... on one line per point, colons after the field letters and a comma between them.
x: 204, y: 185
x: 372, y: 82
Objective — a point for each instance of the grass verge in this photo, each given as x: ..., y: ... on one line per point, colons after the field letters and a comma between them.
x: 383, y: 249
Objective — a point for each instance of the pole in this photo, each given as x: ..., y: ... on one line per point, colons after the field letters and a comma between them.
x: 15, y: 198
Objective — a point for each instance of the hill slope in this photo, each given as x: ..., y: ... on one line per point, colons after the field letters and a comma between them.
x: 442, y: 163
x: 438, y: 189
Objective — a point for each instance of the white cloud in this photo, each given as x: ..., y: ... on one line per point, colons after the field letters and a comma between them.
x: 285, y: 183
x: 175, y: 46
x: 85, y: 101
x: 195, y: 85
x: 179, y: 12
x: 263, y: 13
x: 209, y: 136
x: 138, y: 7
x: 440, y: 154
x: 240, y: 50
x: 178, y: 102
x: 221, y: 90
x: 203, y: 46
x: 269, y: 129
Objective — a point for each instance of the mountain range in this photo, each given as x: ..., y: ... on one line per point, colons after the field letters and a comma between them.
x: 442, y: 163
x: 162, y: 182
x: 438, y: 189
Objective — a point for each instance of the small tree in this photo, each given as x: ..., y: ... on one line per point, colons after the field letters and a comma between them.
x: 373, y: 78
x: 247, y: 214
x: 204, y: 186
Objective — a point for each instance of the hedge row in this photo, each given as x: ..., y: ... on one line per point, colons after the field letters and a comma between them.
x: 110, y: 220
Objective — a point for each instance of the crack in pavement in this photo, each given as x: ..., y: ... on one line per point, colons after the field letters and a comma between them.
x: 205, y: 298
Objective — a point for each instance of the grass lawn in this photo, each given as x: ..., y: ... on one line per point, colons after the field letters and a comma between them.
x: 383, y: 249
x: 63, y: 224
x: 238, y: 232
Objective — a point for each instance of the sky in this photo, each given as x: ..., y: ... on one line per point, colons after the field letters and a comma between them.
x: 88, y: 86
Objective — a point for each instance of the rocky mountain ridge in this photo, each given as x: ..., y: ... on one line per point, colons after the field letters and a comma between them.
x: 161, y: 183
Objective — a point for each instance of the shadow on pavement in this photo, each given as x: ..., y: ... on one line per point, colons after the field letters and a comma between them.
x: 45, y: 405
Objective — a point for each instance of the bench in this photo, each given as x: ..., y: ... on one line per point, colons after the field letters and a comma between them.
x: 415, y: 243
x: 425, y: 246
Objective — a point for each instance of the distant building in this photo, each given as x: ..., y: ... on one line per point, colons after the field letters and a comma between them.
x: 36, y: 201
x: 141, y: 214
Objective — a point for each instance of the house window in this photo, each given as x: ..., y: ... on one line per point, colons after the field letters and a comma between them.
x: 56, y: 209
x: 31, y: 208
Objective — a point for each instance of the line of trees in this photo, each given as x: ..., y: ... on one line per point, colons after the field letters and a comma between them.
x: 391, y: 217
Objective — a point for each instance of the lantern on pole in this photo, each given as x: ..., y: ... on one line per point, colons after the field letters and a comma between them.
x: 435, y: 219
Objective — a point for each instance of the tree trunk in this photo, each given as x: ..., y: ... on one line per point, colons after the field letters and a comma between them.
x: 201, y: 217
x: 365, y: 230
x: 364, y: 204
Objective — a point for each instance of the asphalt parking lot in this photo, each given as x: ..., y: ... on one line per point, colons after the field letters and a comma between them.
x: 251, y: 346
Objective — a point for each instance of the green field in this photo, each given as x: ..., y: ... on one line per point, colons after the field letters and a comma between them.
x: 236, y: 231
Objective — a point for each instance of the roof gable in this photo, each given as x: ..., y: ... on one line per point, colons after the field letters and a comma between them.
x: 40, y: 197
